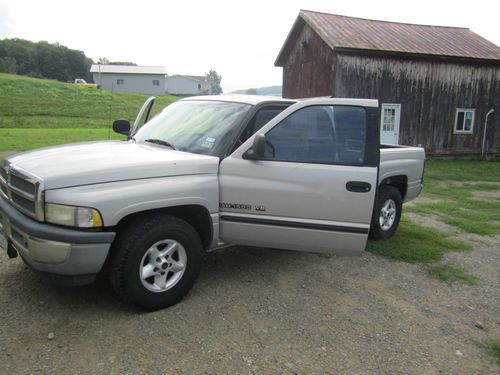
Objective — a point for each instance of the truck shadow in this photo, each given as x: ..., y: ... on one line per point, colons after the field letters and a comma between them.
x: 236, y: 267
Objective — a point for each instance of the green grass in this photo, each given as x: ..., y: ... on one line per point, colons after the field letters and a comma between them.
x: 462, y: 170
x: 468, y: 215
x: 455, y: 205
x: 415, y: 243
x: 36, y: 112
x: 19, y: 139
x: 492, y: 347
x: 450, y: 184
x: 450, y: 274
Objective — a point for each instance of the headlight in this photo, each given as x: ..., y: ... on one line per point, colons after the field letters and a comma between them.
x: 81, y: 217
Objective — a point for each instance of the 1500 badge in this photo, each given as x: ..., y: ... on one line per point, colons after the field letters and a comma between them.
x: 236, y: 206
x: 241, y: 206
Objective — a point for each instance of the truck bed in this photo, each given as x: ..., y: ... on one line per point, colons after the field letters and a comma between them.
x: 398, y: 161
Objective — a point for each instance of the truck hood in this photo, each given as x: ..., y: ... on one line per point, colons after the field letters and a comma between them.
x: 108, y: 161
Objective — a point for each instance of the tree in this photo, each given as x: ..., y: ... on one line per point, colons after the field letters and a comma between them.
x: 103, y: 60
x: 214, y: 80
x: 122, y: 63
x: 43, y: 59
x: 251, y: 92
x: 8, y: 65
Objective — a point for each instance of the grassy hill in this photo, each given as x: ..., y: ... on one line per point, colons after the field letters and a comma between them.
x: 268, y: 90
x: 36, y: 112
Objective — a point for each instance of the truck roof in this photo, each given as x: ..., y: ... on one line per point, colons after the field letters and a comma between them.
x: 258, y: 99
x: 241, y: 98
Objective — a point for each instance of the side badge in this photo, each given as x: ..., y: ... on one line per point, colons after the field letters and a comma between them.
x: 235, y: 206
x: 260, y: 208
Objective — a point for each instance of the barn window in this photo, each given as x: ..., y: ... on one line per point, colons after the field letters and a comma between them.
x: 120, y: 81
x: 464, y: 121
x: 389, y: 119
x: 156, y: 82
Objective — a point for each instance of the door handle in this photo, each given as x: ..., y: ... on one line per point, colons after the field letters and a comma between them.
x: 358, y: 186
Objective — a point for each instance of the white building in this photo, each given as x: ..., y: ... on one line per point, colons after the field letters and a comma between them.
x: 187, y: 85
x: 128, y: 78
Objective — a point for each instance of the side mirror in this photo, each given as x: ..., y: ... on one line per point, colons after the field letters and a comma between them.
x: 121, y: 126
x: 258, y: 148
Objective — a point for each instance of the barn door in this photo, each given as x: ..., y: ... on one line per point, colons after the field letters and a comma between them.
x: 389, y: 123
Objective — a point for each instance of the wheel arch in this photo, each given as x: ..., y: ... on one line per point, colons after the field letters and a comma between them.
x: 196, y: 215
x: 400, y: 182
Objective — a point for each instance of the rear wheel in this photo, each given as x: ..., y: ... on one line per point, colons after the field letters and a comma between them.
x: 387, y: 213
x: 155, y: 261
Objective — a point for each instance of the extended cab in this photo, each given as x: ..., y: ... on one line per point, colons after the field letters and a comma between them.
x: 306, y: 175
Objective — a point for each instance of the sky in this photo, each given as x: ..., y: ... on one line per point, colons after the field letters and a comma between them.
x: 239, y: 39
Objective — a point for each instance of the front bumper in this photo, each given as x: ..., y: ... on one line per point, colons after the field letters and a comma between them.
x: 53, y: 249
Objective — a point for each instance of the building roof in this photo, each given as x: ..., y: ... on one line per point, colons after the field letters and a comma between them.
x: 128, y: 69
x: 341, y: 32
x: 200, y: 79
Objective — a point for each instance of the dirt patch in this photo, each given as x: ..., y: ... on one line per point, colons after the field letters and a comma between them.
x: 421, y: 200
x: 260, y: 311
x: 432, y: 221
x: 490, y: 194
x: 465, y: 183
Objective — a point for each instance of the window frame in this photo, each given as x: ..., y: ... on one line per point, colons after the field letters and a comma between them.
x: 238, y: 141
x: 120, y: 81
x: 464, y: 110
x: 156, y: 82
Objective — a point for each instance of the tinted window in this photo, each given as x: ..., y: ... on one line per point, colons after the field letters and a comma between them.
x: 321, y: 134
x: 261, y: 118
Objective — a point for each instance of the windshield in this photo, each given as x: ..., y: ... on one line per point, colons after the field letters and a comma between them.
x: 202, y: 127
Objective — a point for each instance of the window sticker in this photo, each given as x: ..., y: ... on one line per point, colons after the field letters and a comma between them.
x: 208, y: 142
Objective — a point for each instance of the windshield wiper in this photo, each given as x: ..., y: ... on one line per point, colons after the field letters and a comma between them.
x: 161, y: 142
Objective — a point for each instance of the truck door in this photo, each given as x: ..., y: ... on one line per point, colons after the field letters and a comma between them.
x: 143, y: 115
x: 312, y: 187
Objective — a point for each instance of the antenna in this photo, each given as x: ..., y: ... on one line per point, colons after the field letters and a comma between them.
x: 109, y: 112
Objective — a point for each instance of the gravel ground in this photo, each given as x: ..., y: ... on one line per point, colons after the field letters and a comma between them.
x: 261, y: 311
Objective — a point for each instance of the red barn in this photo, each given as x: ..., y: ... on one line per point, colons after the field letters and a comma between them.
x: 435, y: 85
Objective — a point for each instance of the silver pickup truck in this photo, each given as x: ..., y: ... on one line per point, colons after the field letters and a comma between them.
x: 306, y: 175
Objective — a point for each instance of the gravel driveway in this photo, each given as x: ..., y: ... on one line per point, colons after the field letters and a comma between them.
x: 261, y: 311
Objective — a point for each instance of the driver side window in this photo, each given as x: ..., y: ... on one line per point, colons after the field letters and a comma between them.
x: 261, y: 118
x: 319, y: 134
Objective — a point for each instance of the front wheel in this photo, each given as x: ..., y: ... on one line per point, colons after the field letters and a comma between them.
x: 387, y: 213
x: 155, y: 261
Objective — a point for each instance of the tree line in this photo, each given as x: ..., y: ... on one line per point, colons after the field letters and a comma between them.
x: 43, y: 60
x: 55, y: 61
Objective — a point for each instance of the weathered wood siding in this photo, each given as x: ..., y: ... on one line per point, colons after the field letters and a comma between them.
x: 429, y: 93
x: 309, y: 69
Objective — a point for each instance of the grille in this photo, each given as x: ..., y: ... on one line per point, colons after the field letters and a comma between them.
x: 22, y: 190
x: 23, y: 185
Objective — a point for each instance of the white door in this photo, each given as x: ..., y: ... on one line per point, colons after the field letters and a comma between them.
x: 389, y: 123
x: 313, y: 189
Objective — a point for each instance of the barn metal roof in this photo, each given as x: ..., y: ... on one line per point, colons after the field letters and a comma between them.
x: 128, y: 69
x: 342, y: 32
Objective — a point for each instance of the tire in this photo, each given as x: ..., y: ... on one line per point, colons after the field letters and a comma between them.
x: 155, y: 261
x: 387, y: 213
